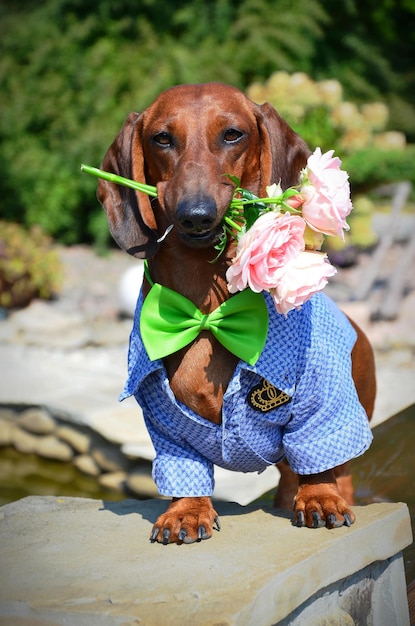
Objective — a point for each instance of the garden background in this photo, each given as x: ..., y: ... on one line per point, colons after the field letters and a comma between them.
x: 341, y: 73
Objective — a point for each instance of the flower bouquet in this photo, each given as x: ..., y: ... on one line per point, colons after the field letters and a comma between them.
x: 279, y: 238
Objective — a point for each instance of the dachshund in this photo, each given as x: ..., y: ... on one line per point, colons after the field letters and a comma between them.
x: 186, y: 144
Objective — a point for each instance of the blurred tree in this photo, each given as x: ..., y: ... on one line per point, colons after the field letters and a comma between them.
x: 370, y: 47
x: 71, y: 70
x: 277, y: 35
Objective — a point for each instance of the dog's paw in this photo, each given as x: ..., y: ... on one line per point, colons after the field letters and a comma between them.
x: 318, y: 505
x: 186, y: 520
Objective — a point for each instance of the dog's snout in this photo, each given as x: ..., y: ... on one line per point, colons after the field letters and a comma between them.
x: 196, y: 216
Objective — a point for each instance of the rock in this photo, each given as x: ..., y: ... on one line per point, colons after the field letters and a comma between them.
x: 6, y: 432
x: 41, y: 324
x: 72, y: 562
x: 109, y: 458
x: 79, y: 441
x: 143, y: 450
x: 7, y: 414
x: 87, y: 465
x: 141, y: 483
x: 104, y: 333
x: 113, y: 480
x: 36, y: 421
x: 51, y: 447
x: 23, y: 441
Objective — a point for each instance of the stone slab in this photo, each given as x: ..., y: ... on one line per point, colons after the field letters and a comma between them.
x: 374, y: 596
x: 74, y: 561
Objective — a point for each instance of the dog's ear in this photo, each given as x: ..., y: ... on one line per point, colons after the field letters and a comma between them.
x: 283, y: 153
x: 130, y: 216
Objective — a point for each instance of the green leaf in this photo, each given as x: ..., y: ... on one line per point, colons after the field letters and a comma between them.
x: 234, y: 179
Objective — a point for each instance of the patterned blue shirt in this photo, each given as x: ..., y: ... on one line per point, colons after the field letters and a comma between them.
x: 298, y: 401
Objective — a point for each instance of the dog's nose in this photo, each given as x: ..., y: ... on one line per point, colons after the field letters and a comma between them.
x: 196, y: 216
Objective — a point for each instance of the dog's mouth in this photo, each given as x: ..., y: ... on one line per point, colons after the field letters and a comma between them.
x: 202, y: 239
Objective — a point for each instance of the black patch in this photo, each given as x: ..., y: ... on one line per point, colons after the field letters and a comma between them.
x: 264, y: 397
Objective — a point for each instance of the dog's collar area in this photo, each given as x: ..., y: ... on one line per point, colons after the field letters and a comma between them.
x: 169, y: 322
x: 147, y: 273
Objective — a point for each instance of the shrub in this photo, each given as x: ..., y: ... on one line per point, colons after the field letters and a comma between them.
x: 372, y: 166
x: 318, y: 112
x: 29, y: 265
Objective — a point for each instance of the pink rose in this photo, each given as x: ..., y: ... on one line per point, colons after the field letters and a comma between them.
x: 327, y: 194
x: 272, y: 241
x: 303, y: 276
x: 296, y: 202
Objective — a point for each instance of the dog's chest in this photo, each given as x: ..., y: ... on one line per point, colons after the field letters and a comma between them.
x: 200, y: 374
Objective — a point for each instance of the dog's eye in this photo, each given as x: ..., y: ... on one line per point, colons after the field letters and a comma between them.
x: 163, y: 139
x: 232, y: 135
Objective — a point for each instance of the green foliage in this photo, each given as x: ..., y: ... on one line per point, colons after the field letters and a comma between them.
x: 29, y: 266
x: 318, y: 112
x: 371, y: 167
x: 317, y: 129
x: 71, y: 71
x: 269, y: 35
x: 369, y: 46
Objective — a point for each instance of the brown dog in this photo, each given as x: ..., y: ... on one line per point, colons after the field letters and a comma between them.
x: 185, y: 143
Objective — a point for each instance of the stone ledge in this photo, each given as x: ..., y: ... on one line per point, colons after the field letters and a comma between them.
x: 75, y: 561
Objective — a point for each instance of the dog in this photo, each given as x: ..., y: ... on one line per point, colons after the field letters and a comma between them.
x: 185, y: 144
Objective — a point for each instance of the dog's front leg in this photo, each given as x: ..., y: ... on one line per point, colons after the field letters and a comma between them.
x: 186, y: 520
x: 319, y: 503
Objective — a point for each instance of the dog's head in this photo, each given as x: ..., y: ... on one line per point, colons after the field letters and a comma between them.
x: 185, y: 143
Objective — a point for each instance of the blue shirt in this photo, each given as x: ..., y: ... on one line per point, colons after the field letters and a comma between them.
x: 298, y: 401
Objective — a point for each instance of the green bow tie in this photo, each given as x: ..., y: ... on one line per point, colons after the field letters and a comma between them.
x: 169, y: 322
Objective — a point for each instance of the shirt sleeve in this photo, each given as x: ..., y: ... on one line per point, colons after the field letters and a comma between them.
x: 178, y: 470
x: 328, y: 425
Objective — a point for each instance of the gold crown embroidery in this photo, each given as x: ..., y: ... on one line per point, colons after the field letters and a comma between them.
x: 265, y: 397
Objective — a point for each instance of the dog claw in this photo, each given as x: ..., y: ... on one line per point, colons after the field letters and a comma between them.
x: 331, y: 520
x: 166, y: 537
x: 182, y: 534
x: 217, y: 522
x: 153, y: 536
x: 300, y: 519
x: 317, y: 521
x: 201, y: 532
x: 347, y: 520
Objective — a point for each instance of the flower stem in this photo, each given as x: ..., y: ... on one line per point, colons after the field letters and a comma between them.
x: 150, y: 190
x: 238, y: 201
x: 232, y: 224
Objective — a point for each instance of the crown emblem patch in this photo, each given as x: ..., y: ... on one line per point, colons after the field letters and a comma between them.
x: 264, y: 397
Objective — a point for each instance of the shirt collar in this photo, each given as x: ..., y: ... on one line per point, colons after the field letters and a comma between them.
x: 279, y: 348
